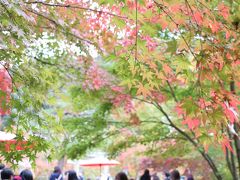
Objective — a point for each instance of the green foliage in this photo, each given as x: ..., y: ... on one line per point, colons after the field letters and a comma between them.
x: 49, y: 58
x: 85, y: 130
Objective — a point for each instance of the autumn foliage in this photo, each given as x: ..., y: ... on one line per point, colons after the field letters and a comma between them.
x: 181, y: 57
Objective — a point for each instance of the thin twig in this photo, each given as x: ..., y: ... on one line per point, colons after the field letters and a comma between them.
x: 136, y: 39
x: 172, y: 92
x: 171, y: 18
x: 57, y: 24
x: 75, y: 7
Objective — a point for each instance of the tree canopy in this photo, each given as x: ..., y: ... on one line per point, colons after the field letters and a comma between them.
x: 165, y: 69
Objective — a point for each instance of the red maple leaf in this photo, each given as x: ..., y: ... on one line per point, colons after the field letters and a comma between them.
x: 226, y: 144
x: 198, y: 17
x: 230, y: 112
x: 5, y: 89
x: 214, y: 26
x: 223, y: 10
x: 192, y: 123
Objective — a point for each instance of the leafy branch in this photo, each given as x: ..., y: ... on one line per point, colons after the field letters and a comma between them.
x: 58, y: 25
x: 75, y: 7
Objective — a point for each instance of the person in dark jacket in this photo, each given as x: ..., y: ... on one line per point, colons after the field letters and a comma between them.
x: 57, y: 174
x: 2, y: 166
x: 167, y: 176
x: 26, y: 175
x: 190, y: 177
x: 121, y: 176
x: 71, y: 175
x: 175, y: 175
x: 7, y: 174
x: 146, y: 175
x: 155, y: 176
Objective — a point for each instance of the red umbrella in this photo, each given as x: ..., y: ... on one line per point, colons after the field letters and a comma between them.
x: 98, y: 162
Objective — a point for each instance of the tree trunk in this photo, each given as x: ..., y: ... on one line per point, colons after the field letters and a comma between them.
x: 233, y: 165
x: 236, y: 138
x: 184, y: 134
x: 61, y: 162
x: 237, y: 147
x: 229, y: 163
x: 205, y: 156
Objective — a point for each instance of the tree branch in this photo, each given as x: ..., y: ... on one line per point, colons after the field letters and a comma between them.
x: 171, y: 18
x: 58, y: 25
x: 172, y: 92
x: 136, y: 33
x: 75, y: 7
x: 205, y: 155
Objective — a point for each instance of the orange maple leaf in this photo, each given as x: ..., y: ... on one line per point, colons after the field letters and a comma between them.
x: 143, y: 90
x: 214, y: 26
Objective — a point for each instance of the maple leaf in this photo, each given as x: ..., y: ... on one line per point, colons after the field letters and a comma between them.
x: 228, y: 35
x: 149, y: 4
x: 214, y: 26
x: 228, y: 56
x: 147, y: 75
x: 179, y: 110
x: 198, y: 17
x: 230, y: 112
x: 234, y: 102
x: 226, y: 144
x: 158, y: 96
x: 96, y: 78
x: 150, y: 43
x: 192, y: 123
x: 117, y: 89
x: 5, y: 90
x: 175, y: 8
x: 223, y: 10
x: 238, y: 84
x: 203, y: 104
x: 134, y: 119
x: 143, y: 90
x: 206, y: 146
x: 125, y: 100
x: 167, y: 69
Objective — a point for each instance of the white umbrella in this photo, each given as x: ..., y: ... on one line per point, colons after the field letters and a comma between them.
x: 99, y: 162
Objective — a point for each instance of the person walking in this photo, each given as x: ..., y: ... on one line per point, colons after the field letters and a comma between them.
x: 71, y: 175
x: 175, y: 175
x: 26, y: 175
x: 7, y: 174
x: 121, y: 176
x: 2, y: 166
x: 155, y: 176
x: 190, y: 177
x: 57, y: 174
x: 146, y: 175
x: 167, y: 176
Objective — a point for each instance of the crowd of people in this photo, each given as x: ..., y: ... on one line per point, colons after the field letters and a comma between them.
x: 7, y: 174
x: 69, y: 175
x: 174, y: 175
